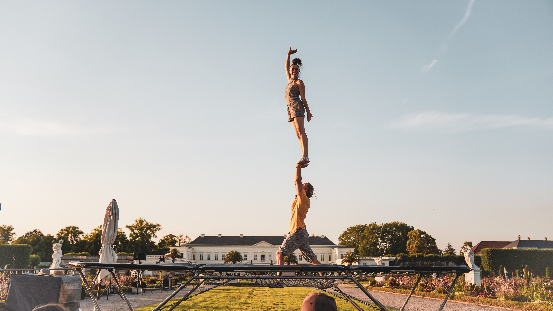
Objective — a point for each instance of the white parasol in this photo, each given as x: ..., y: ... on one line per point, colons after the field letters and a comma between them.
x: 109, y: 232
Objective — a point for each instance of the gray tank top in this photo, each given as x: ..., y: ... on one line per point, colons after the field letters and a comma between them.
x: 292, y: 93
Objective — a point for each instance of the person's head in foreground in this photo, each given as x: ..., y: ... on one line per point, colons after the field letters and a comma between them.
x: 50, y: 307
x: 318, y: 302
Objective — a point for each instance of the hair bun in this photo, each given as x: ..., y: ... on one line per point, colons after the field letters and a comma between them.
x: 296, y: 61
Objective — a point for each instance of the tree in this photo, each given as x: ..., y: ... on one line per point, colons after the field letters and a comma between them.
x: 6, y: 234
x: 363, y: 238
x: 350, y: 258
x: 166, y: 242
x: 142, y: 233
x: 41, y: 244
x: 93, y: 242
x: 70, y: 236
x: 174, y: 254
x: 181, y: 239
x: 122, y: 242
x: 449, y: 250
x: 394, y: 237
x: 469, y: 244
x: 70, y: 233
x: 233, y: 257
x: 421, y: 242
x: 291, y: 259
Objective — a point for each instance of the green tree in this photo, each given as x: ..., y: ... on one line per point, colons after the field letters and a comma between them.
x: 233, y: 257
x: 142, y: 233
x: 70, y: 235
x: 166, y: 242
x: 291, y: 259
x: 35, y: 261
x: 93, y: 242
x: 394, y: 237
x: 449, y: 250
x: 421, y: 242
x: 181, y: 239
x: 41, y: 244
x: 122, y: 242
x: 363, y: 238
x: 467, y: 243
x: 6, y: 234
x: 174, y: 254
x: 350, y: 258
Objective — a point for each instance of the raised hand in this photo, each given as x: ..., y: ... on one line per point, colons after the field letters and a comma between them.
x: 290, y: 51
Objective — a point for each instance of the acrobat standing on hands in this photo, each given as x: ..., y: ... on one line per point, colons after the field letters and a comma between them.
x: 297, y: 106
x: 298, y: 237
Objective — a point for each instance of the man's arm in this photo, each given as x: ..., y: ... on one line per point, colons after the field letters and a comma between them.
x: 299, y: 185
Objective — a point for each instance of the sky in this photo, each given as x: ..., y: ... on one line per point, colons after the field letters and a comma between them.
x: 438, y: 114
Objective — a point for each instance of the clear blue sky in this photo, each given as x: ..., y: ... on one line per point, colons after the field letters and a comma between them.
x: 438, y: 114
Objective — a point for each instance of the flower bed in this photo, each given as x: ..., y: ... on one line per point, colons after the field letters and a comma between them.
x: 514, y: 293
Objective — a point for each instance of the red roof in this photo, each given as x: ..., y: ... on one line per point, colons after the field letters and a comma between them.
x: 489, y: 244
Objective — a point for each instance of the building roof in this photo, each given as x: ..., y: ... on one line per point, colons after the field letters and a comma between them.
x: 489, y: 244
x: 539, y: 244
x: 252, y: 240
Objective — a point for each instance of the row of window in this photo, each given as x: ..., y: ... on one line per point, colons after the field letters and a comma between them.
x: 262, y: 257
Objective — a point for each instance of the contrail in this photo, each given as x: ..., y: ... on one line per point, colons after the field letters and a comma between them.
x: 443, y: 47
x: 462, y: 22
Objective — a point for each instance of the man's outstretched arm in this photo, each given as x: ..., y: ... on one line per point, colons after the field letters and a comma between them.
x: 299, y: 185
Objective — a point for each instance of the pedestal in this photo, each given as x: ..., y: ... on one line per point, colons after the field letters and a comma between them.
x: 473, y: 277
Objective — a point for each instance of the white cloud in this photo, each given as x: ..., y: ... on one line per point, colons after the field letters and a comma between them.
x: 23, y: 126
x: 432, y: 120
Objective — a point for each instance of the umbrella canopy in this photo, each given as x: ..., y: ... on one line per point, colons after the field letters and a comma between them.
x: 109, y: 232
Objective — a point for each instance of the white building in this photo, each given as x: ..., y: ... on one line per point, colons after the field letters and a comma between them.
x: 257, y: 250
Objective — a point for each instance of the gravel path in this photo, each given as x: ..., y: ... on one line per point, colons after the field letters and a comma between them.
x: 415, y: 303
x: 115, y: 303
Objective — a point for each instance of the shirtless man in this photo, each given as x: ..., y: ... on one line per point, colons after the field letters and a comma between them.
x: 298, y: 236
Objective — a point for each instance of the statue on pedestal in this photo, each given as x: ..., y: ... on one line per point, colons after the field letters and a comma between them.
x: 56, y: 258
x: 472, y: 277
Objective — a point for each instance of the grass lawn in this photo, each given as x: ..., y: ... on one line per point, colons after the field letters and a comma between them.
x: 253, y: 298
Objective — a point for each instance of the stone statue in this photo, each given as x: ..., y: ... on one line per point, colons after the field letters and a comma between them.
x: 378, y: 261
x: 469, y: 257
x: 56, y: 258
x: 473, y: 277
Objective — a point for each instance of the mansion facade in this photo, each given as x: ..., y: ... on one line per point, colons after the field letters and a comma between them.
x: 257, y: 250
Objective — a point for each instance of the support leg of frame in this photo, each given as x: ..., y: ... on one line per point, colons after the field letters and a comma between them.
x: 356, y: 306
x: 378, y: 303
x: 174, y: 294
x: 186, y: 296
x: 449, y: 291
x: 120, y: 289
x: 411, y: 293
x: 88, y: 290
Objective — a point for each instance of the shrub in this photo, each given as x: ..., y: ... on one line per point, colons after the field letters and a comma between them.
x: 35, y: 261
x: 77, y: 254
x: 547, y: 275
x: 513, y: 259
x: 17, y: 256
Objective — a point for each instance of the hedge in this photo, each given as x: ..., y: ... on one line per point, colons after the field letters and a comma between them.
x: 20, y: 255
x: 515, y: 259
x: 432, y: 260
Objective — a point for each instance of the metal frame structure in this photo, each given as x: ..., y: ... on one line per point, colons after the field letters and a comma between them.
x: 319, y: 276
